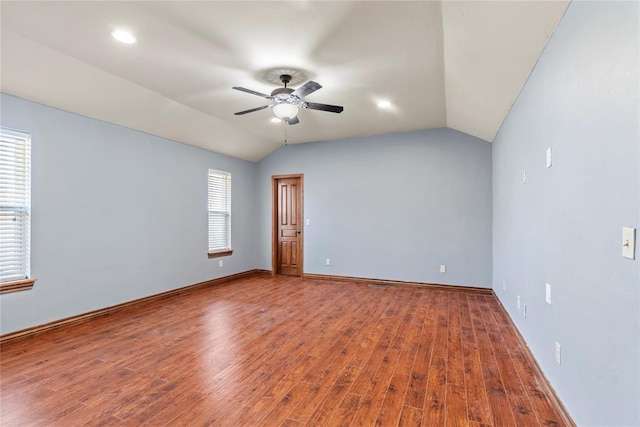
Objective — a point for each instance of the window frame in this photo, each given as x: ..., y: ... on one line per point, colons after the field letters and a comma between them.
x: 226, y: 211
x: 20, y: 284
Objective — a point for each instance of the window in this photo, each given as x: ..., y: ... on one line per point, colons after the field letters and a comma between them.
x: 15, y: 210
x: 219, y: 213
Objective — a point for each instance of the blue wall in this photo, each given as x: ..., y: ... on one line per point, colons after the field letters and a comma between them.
x: 564, y: 226
x: 390, y: 207
x: 117, y: 215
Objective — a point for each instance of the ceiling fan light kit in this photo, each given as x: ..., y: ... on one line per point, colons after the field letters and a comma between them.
x: 285, y: 111
x: 286, y: 102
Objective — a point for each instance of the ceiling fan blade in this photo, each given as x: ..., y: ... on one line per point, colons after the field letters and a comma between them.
x: 293, y: 121
x: 325, y: 107
x: 306, y: 89
x: 252, y: 92
x: 239, y: 113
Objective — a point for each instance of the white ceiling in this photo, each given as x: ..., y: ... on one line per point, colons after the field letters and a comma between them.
x: 456, y: 64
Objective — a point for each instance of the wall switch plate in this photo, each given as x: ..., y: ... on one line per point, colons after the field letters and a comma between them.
x: 524, y: 176
x: 220, y: 263
x: 518, y: 301
x: 308, y: 221
x: 443, y: 268
x: 549, y: 157
x: 629, y: 242
x: 524, y: 310
x: 558, y: 353
x: 547, y: 297
x: 327, y: 261
x: 504, y: 285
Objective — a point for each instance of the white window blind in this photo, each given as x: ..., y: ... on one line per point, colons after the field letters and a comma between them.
x: 219, y: 210
x: 15, y: 204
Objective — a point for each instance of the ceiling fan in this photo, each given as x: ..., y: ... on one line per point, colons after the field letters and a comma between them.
x: 286, y: 102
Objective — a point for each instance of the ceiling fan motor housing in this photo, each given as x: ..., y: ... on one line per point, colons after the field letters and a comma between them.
x: 284, y: 90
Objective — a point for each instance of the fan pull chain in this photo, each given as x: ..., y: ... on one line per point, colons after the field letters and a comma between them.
x: 285, y: 135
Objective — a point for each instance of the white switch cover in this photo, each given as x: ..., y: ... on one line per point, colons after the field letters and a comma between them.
x: 558, y: 353
x: 443, y: 268
x: 524, y: 310
x: 504, y: 284
x: 328, y: 261
x: 547, y: 297
x: 221, y: 263
x: 629, y: 242
x: 518, y: 301
x: 524, y: 176
x: 549, y: 157
x: 308, y: 222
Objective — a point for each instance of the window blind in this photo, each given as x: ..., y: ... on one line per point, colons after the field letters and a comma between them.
x: 15, y: 204
x: 219, y: 210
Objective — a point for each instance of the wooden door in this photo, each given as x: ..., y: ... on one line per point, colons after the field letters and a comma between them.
x: 288, y: 226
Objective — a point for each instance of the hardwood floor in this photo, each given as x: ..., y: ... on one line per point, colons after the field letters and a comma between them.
x: 265, y: 351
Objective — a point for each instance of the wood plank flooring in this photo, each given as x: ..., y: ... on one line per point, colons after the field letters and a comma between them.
x: 281, y: 351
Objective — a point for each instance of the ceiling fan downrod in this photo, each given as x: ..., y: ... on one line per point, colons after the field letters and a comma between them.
x: 285, y: 79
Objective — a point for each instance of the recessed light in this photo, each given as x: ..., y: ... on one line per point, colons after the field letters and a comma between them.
x: 123, y: 36
x: 275, y: 120
x: 384, y: 104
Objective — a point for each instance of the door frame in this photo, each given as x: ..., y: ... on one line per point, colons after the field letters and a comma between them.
x: 274, y: 221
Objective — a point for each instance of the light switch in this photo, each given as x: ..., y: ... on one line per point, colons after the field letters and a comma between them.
x: 308, y: 221
x: 629, y: 242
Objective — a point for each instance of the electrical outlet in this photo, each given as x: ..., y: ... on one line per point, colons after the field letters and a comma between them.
x: 524, y: 310
x: 518, y: 301
x: 547, y: 297
x: 220, y: 263
x: 443, y: 268
x: 327, y: 261
x: 558, y: 353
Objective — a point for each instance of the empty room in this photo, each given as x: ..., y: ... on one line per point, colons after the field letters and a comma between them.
x: 319, y: 213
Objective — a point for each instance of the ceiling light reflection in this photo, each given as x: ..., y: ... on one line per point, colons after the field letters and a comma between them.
x: 123, y: 36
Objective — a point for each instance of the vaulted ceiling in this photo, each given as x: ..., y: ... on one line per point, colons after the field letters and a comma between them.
x: 459, y: 64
